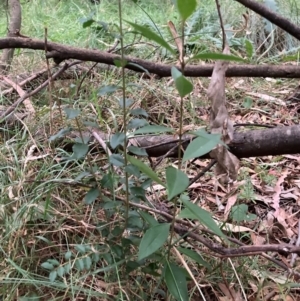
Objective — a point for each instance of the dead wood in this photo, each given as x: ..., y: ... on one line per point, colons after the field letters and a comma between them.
x: 63, y: 52
x: 255, y: 143
x: 273, y: 17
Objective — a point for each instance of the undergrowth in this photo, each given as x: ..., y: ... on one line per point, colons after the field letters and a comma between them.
x: 70, y: 221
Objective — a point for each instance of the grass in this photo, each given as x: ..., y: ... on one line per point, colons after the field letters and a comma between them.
x: 56, y: 247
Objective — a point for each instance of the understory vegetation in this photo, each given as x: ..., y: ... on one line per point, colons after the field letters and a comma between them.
x: 81, y: 221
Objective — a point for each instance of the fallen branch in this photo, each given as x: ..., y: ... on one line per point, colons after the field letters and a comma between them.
x: 63, y: 52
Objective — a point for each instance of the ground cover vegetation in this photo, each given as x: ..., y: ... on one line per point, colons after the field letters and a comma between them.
x: 88, y: 213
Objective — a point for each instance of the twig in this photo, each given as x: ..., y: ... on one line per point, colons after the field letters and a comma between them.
x: 294, y: 256
x: 13, y: 107
x: 201, y: 173
x: 21, y: 93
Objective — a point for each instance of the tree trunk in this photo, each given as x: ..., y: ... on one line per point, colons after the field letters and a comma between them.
x: 14, y: 11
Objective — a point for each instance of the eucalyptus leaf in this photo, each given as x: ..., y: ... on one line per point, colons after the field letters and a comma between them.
x: 47, y: 265
x: 117, y: 139
x: 150, y: 35
x: 145, y: 169
x: 216, y: 56
x: 195, y: 256
x: 128, y: 102
x: 139, y: 112
x: 80, y: 150
x: 183, y: 86
x: 204, y: 217
x: 91, y: 196
x: 60, y: 271
x: 137, y: 150
x: 108, y: 90
x: 52, y: 275
x: 200, y: 146
x: 71, y: 113
x: 177, y: 182
x: 176, y: 282
x: 60, y: 134
x: 116, y: 160
x: 186, y: 8
x: 153, y: 239
x: 136, y: 123
x: 153, y: 129
x: 139, y: 67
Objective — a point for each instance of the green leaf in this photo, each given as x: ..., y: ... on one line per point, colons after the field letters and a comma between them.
x: 195, y: 256
x: 68, y: 255
x: 108, y: 89
x: 117, y: 160
x: 54, y: 262
x: 136, y: 123
x: 80, y: 248
x: 128, y: 102
x: 60, y: 271
x: 86, y: 22
x: 153, y: 129
x: 139, y: 112
x: 117, y: 139
x: 52, y: 275
x: 79, y: 264
x: 201, y: 146
x: 145, y: 169
x: 204, y: 217
x: 91, y: 196
x: 139, y: 67
x: 80, y: 150
x: 240, y: 213
x: 177, y: 182
x: 71, y: 113
x: 30, y: 297
x: 120, y: 63
x: 67, y: 268
x: 249, y: 49
x: 87, y: 262
x: 216, y: 56
x: 150, y: 35
x: 153, y: 239
x: 84, y: 139
x: 137, y: 150
x: 186, y: 8
x: 47, y: 265
x: 176, y: 282
x: 133, y: 170
x: 183, y: 86
x: 60, y: 134
x: 148, y: 218
x: 248, y: 103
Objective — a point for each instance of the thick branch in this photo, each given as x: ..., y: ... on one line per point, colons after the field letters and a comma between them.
x: 60, y: 51
x: 273, y: 17
x: 255, y: 143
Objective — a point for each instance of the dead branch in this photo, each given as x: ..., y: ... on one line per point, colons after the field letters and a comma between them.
x: 273, y: 17
x: 63, y: 52
x: 255, y: 143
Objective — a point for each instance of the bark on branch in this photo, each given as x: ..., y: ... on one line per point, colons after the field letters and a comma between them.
x: 273, y: 17
x: 255, y: 143
x: 61, y: 52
